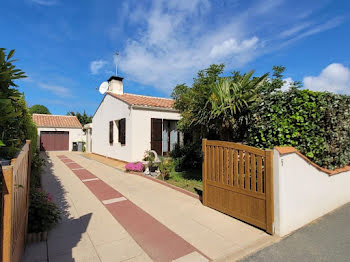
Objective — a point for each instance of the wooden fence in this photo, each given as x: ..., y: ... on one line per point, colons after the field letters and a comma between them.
x: 15, y: 193
x: 238, y: 180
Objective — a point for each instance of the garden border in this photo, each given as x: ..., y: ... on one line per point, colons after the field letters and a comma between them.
x: 179, y: 189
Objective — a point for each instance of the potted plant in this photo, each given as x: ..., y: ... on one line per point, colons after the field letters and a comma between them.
x: 151, y: 165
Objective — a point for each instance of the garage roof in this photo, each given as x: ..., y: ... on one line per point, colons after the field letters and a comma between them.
x: 147, y: 101
x: 42, y: 120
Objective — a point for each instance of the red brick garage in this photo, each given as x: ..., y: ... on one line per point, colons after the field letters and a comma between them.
x: 54, y: 140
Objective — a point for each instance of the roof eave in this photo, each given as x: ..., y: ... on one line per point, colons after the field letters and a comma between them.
x: 167, y: 109
x: 76, y: 127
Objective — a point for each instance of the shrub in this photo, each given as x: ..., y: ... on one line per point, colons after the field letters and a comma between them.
x: 316, y: 123
x: 188, y: 156
x: 165, y: 167
x: 36, y: 169
x: 137, y: 167
x: 43, y: 212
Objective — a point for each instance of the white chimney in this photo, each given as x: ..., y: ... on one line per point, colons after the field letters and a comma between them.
x: 115, y: 85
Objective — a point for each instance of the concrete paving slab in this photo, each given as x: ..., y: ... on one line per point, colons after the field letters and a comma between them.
x: 85, y: 222
x: 212, y: 232
x: 98, y: 236
x: 72, y: 242
x: 192, y: 257
x: 140, y: 258
x: 35, y: 252
x: 120, y: 250
x: 80, y: 256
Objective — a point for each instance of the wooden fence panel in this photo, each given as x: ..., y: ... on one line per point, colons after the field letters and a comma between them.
x: 239, y: 182
x: 16, y: 186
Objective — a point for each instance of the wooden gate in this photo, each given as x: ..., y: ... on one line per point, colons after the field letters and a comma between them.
x: 15, y: 206
x: 238, y: 181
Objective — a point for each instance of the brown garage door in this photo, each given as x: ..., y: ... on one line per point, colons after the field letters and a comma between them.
x: 54, y: 140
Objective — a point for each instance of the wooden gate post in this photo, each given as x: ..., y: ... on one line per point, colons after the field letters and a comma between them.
x: 204, y: 171
x: 7, y: 214
x: 269, y: 191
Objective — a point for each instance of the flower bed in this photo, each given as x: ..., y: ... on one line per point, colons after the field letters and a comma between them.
x: 136, y: 167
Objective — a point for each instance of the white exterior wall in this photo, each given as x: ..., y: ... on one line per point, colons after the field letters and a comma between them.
x: 303, y: 193
x: 137, y: 130
x: 111, y: 109
x: 88, y: 140
x: 141, y: 132
x: 75, y: 134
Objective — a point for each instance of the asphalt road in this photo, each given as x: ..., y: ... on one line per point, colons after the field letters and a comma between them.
x: 326, y: 239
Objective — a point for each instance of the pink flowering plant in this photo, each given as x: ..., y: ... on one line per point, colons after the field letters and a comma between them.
x: 137, y: 167
x: 43, y: 213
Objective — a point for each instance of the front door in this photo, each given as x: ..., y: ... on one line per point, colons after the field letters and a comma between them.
x: 156, y: 135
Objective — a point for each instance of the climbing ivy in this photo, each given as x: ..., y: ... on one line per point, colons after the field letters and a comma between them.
x: 316, y: 123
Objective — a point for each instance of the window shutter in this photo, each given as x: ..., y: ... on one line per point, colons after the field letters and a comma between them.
x: 111, y: 132
x: 121, y: 127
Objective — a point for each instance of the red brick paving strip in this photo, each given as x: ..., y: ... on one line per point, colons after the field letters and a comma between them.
x: 102, y: 191
x: 66, y: 160
x: 83, y: 174
x: 159, y: 242
x: 73, y: 165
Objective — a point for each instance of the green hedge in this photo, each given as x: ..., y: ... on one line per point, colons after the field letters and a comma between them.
x: 316, y: 123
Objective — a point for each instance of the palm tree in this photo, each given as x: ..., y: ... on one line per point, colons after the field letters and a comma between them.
x: 231, y: 100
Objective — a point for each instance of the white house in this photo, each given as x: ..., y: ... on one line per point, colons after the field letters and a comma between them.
x: 57, y: 133
x: 126, y: 125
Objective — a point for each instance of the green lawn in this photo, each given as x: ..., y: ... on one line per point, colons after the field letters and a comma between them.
x: 188, y: 180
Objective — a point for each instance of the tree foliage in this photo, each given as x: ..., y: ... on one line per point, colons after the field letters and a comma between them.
x: 16, y: 124
x: 83, y: 118
x: 255, y: 111
x: 217, y: 106
x: 39, y: 109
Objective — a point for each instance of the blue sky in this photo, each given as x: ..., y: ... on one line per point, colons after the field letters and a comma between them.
x: 66, y: 47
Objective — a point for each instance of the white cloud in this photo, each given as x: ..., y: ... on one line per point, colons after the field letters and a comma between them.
x: 334, y: 78
x: 175, y: 39
x: 95, y: 66
x: 57, y: 90
x: 287, y: 83
x: 307, y: 30
x: 174, y: 45
x: 295, y: 29
x: 45, y: 2
x: 231, y: 46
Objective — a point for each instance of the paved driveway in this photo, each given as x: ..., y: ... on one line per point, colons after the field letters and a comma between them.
x: 110, y: 215
x: 327, y: 239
